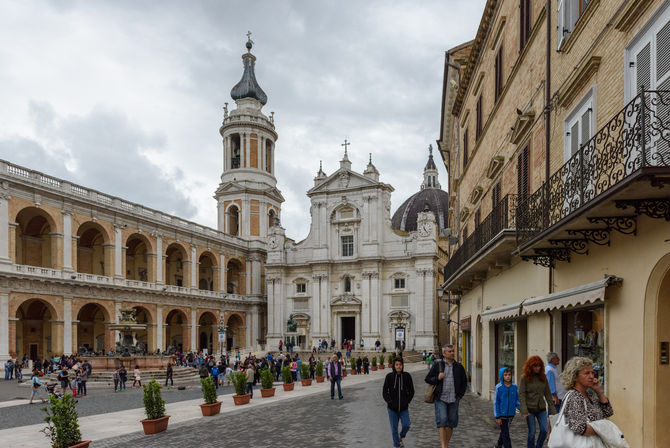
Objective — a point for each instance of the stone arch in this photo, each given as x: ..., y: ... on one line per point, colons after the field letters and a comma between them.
x: 235, y: 277
x: 176, y: 329
x: 656, y: 376
x: 92, y: 329
x: 233, y: 219
x: 207, y: 329
x: 206, y: 271
x: 137, y: 251
x: 94, y: 251
x: 344, y: 211
x: 36, y: 331
x: 236, y: 332
x: 35, y: 241
x: 176, y: 265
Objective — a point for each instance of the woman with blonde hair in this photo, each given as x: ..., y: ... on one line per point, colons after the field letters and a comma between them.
x: 535, y: 397
x: 586, y: 402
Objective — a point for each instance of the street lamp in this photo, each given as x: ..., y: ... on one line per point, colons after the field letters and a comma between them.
x: 222, y: 335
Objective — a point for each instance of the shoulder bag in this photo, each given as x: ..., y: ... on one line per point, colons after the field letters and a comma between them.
x: 562, y: 436
x: 429, y: 396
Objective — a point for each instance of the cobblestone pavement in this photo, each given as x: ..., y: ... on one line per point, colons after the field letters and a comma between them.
x: 317, y: 421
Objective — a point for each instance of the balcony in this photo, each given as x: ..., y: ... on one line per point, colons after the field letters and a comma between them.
x: 101, y: 280
x: 615, y: 176
x: 489, y: 245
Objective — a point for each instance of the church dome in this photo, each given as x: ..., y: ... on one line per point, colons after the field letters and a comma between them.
x: 431, y: 197
x: 437, y: 201
x: 248, y: 86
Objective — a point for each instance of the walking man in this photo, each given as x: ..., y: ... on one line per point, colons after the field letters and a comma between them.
x: 398, y: 392
x: 555, y: 384
x: 334, y: 372
x: 168, y: 375
x: 448, y: 377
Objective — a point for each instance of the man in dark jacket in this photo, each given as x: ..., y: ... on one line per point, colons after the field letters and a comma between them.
x: 398, y: 392
x: 448, y: 377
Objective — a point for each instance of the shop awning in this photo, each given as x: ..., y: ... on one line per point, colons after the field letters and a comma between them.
x: 504, y: 312
x: 580, y: 295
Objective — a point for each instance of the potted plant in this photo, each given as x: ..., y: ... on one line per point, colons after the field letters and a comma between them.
x: 154, y: 407
x: 352, y: 361
x: 239, y: 380
x: 62, y: 423
x: 267, y: 383
x: 320, y: 377
x: 391, y: 360
x: 344, y: 367
x: 374, y: 363
x: 288, y: 378
x: 211, y: 405
x: 382, y: 358
x: 304, y: 374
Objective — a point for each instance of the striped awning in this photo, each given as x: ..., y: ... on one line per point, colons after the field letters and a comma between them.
x: 579, y: 295
x: 506, y: 312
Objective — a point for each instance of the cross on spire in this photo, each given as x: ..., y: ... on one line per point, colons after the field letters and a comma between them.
x: 249, y: 36
x: 345, y: 144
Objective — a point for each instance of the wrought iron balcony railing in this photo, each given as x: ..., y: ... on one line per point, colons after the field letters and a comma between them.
x: 636, y: 138
x: 500, y: 218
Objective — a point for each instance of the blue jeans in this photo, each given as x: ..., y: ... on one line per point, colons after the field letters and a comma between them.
x: 394, y: 417
x: 446, y: 414
x: 542, y: 421
x: 503, y: 439
x: 337, y: 380
x: 250, y: 389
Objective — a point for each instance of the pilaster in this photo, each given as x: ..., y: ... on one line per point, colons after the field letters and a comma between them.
x: 67, y: 326
x: 194, y: 330
x: 159, y: 328
x: 159, y: 259
x: 4, y: 228
x: 118, y: 252
x: 4, y: 327
x: 194, y: 268
x: 67, y: 241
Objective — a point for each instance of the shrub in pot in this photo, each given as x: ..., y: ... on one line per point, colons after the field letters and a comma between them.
x: 288, y: 378
x: 211, y: 406
x: 320, y: 377
x: 352, y: 362
x: 304, y: 374
x: 239, y: 380
x: 62, y: 423
x: 391, y: 360
x: 374, y: 363
x: 154, y: 407
x: 381, y: 361
x: 267, y: 383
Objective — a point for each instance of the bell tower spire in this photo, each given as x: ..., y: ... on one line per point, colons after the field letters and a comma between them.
x: 430, y: 172
x: 248, y: 200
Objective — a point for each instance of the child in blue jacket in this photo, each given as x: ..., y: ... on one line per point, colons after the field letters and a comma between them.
x: 505, y: 404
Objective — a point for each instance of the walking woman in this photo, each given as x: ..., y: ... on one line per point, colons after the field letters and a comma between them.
x: 137, y: 377
x: 534, y: 394
x: 398, y: 392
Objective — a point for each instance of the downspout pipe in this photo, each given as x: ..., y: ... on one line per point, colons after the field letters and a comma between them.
x: 547, y: 142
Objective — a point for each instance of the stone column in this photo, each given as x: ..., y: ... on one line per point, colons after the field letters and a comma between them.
x: 159, y: 259
x: 4, y: 326
x: 325, y: 312
x: 194, y: 269
x: 118, y: 252
x: 224, y: 270
x: 108, y: 253
x: 270, y: 291
x: 366, y: 307
x: 159, y: 328
x: 4, y: 232
x: 194, y: 330
x: 375, y: 302
x: 248, y: 320
x: 67, y: 241
x: 247, y: 274
x: 75, y: 337
x: 255, y: 327
x: 67, y: 326
x: 316, y: 305
x: 247, y: 150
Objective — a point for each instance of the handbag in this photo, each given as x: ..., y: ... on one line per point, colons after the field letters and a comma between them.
x: 562, y: 436
x: 429, y: 396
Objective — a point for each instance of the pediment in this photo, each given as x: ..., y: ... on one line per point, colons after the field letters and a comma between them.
x: 344, y: 300
x: 344, y: 180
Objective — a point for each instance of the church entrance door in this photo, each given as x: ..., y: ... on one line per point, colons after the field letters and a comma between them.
x: 348, y: 329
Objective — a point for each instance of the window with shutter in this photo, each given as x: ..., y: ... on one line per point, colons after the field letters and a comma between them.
x: 524, y: 22
x: 478, y: 125
x: 466, y: 141
x: 560, y: 38
x: 578, y: 126
x: 495, y: 195
x: 478, y: 217
x: 499, y: 73
x: 643, y: 69
x: 523, y: 174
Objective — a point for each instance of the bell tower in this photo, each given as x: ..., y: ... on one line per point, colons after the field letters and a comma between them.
x: 248, y: 200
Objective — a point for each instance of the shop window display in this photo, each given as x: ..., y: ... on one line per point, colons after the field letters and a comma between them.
x: 504, y: 345
x: 584, y: 335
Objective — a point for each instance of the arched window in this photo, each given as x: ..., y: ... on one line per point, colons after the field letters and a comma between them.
x: 233, y: 220
x: 268, y: 156
x: 235, y: 151
x: 271, y: 218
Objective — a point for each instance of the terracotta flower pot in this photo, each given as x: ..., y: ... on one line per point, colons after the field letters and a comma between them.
x: 241, y: 399
x: 288, y: 386
x: 210, y: 409
x: 390, y: 366
x: 374, y: 368
x: 265, y: 393
x: 381, y: 366
x: 353, y: 371
x: 156, y: 425
x: 307, y: 382
x: 82, y: 444
x: 344, y: 371
x: 320, y: 379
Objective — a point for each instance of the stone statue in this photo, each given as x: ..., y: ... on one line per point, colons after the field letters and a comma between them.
x: 128, y: 316
x: 291, y: 325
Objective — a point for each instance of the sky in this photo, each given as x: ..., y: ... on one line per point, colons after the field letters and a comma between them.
x: 126, y: 97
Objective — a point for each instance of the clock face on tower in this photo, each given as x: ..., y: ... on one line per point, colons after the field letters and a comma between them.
x: 272, y: 242
x: 425, y: 229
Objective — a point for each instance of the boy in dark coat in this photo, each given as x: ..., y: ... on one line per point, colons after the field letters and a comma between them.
x: 398, y: 392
